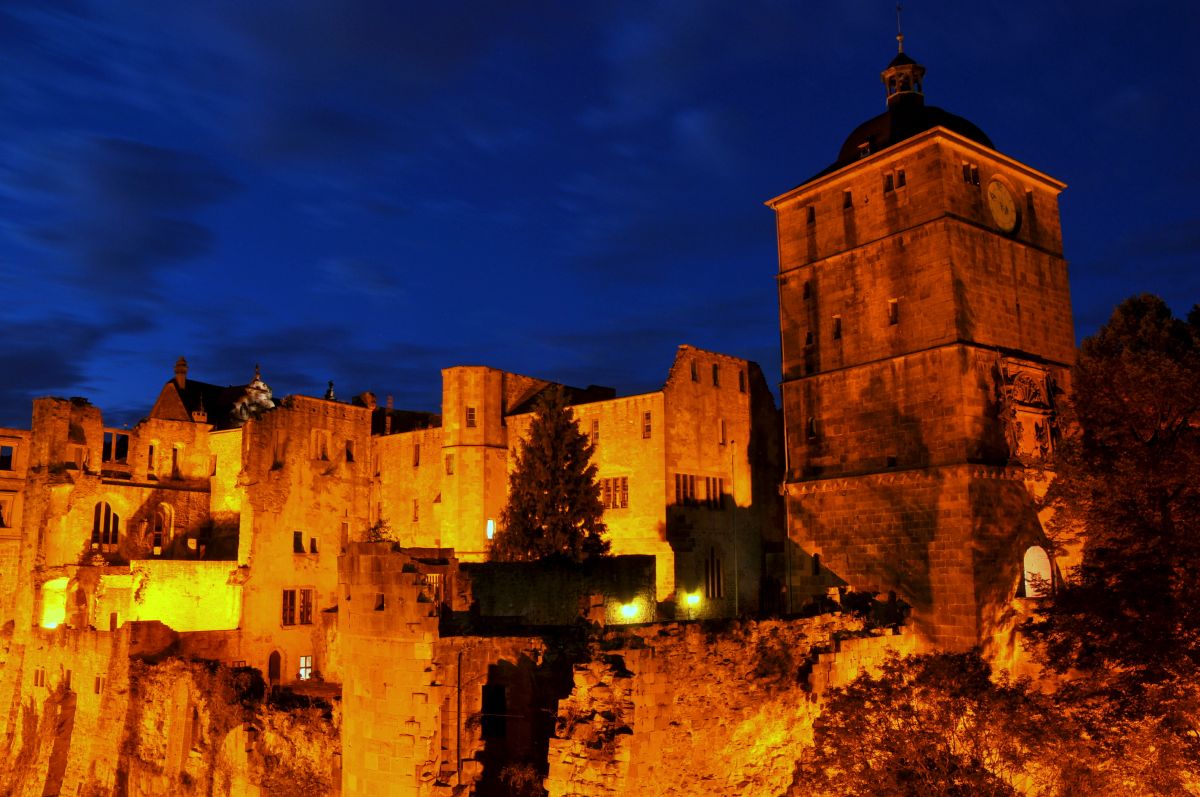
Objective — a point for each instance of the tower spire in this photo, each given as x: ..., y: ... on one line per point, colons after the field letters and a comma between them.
x: 899, y: 31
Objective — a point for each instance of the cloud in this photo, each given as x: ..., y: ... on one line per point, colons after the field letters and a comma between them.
x: 47, y: 356
x: 126, y: 210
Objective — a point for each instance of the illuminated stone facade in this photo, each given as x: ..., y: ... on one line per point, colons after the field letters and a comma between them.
x: 927, y: 334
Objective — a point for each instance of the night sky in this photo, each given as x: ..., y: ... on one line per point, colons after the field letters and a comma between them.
x: 371, y: 191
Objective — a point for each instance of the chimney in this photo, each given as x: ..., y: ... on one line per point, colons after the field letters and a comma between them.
x: 181, y: 373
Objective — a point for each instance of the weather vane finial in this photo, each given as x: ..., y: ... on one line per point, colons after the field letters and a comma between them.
x: 899, y: 31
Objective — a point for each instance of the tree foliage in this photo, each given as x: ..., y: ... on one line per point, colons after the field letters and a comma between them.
x: 554, y: 507
x: 1127, y: 488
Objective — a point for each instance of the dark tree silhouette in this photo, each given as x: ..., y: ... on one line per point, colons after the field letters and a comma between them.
x: 554, y: 507
x: 1127, y: 490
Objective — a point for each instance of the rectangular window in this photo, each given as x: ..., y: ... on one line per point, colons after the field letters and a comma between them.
x: 297, y: 542
x: 974, y: 175
x: 812, y: 215
x: 595, y: 431
x: 449, y: 464
x: 889, y: 183
x: 150, y: 467
x: 312, y: 544
x: 416, y: 510
x: 893, y: 311
x: 695, y: 372
x: 380, y: 602
x: 306, y: 606
x: 321, y: 444
x: 966, y: 172
x: 716, y: 374
x: 289, y: 607
x: 99, y: 684
x: 6, y: 511
x: 807, y: 290
x: 837, y: 327
x: 900, y: 181
x: 175, y: 462
x: 721, y: 432
x: 470, y: 417
x: 116, y: 448
x: 306, y: 668
x: 847, y: 200
x: 614, y: 492
x: 416, y: 455
x: 741, y: 381
x: 39, y: 677
x: 349, y: 450
x: 811, y: 428
x: 646, y: 425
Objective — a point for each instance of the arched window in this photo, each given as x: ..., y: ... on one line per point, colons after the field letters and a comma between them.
x: 106, y: 527
x: 274, y: 667
x: 1037, y: 575
x: 163, y: 521
x: 714, y: 575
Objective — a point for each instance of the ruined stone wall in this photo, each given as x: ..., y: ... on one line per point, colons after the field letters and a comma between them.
x: 681, y: 710
x: 387, y: 629
x: 307, y: 476
x: 405, y: 475
x: 65, y: 698
x: 186, y: 596
x: 12, y: 486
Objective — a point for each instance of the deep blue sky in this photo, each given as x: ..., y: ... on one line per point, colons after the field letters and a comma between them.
x: 370, y: 191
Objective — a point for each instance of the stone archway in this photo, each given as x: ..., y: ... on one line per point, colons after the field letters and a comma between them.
x: 1037, y: 572
x: 274, y: 668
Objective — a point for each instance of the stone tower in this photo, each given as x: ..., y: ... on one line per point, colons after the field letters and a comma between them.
x: 926, y: 331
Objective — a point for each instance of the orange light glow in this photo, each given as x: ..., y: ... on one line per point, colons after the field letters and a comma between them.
x: 54, y: 602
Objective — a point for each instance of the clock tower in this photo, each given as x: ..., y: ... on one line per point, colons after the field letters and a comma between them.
x: 926, y: 332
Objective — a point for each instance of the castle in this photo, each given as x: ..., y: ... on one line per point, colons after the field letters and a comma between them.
x: 926, y: 337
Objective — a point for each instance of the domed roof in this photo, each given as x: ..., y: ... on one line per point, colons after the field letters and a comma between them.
x: 906, y: 116
x: 900, y: 121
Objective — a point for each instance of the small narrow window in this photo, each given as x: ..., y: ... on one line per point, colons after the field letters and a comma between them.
x: 417, y: 454
x: 808, y: 338
x: 741, y: 381
x: 297, y: 542
x: 974, y: 175
x: 811, y: 427
x: 150, y: 461
x: 837, y: 327
x: 416, y: 510
x: 812, y: 215
x: 716, y: 375
x: 289, y: 607
x: 714, y: 576
x: 470, y: 417
x: 306, y: 606
x: 312, y: 544
x: 646, y: 425
x: 6, y: 457
x: 966, y: 173
x: 889, y: 183
x: 380, y: 602
x: 893, y: 311
x: 900, y: 180
x: 695, y: 372
x: 175, y: 462
x: 847, y: 200
x: 721, y: 432
x: 807, y: 289
x: 349, y: 450
x: 595, y: 431
x: 449, y: 464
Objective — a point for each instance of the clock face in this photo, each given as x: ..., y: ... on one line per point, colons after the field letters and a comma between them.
x: 1002, y: 205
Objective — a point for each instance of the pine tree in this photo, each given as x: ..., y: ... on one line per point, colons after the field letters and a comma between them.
x: 554, y: 507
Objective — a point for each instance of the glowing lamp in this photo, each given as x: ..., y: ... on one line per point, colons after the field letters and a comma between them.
x: 491, y: 528
x: 692, y: 599
x: 629, y: 610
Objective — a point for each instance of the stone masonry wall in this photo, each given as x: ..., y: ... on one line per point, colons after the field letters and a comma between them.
x: 686, y: 710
